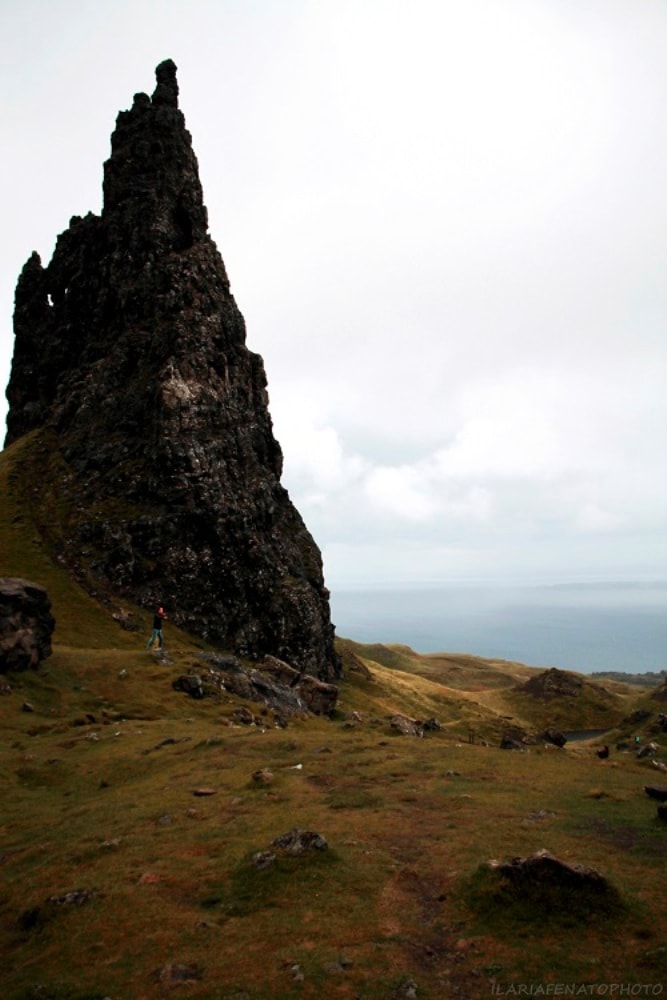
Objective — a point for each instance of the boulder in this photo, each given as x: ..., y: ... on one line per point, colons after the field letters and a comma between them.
x: 273, y: 683
x: 554, y: 736
x: 26, y: 624
x: 297, y: 841
x: 543, y: 869
x: 189, y: 684
x: 659, y: 793
x: 508, y: 743
x: 406, y: 726
x: 319, y: 697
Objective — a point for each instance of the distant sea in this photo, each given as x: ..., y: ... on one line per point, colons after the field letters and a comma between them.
x: 582, y: 627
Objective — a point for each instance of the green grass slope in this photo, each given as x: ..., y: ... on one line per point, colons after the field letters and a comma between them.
x: 131, y: 815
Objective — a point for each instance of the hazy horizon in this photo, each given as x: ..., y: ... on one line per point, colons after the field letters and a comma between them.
x: 583, y: 627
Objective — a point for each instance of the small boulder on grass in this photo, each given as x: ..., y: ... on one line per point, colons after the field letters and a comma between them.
x: 542, y: 888
x: 297, y: 841
x: 543, y: 868
x: 658, y: 792
x: 294, y: 844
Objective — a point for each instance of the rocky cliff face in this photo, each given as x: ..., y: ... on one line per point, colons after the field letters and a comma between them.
x: 129, y: 346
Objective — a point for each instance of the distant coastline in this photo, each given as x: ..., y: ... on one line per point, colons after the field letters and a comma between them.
x: 584, y: 626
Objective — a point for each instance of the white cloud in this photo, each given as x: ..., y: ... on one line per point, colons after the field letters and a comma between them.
x: 400, y: 490
x: 592, y: 518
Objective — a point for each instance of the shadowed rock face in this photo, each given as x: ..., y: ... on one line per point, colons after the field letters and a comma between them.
x: 130, y: 347
x: 26, y: 624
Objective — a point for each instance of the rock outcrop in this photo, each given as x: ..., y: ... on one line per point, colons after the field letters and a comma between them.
x: 274, y: 684
x: 553, y: 683
x: 26, y: 624
x: 542, y: 868
x: 130, y: 349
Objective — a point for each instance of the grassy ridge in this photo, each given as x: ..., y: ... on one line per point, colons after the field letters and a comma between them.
x: 102, y: 786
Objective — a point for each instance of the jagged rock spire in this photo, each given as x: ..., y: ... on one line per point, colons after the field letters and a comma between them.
x: 130, y: 347
x: 151, y: 181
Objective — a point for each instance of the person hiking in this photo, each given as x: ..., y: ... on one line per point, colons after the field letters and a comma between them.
x: 157, y: 629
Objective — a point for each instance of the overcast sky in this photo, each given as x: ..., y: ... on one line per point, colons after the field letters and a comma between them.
x: 445, y: 222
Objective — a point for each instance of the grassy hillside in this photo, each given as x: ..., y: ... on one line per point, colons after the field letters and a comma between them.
x: 132, y: 816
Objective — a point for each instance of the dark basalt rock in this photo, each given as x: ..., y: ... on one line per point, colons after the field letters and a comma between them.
x: 543, y: 869
x: 554, y: 736
x: 131, y: 350
x: 656, y: 792
x: 26, y: 624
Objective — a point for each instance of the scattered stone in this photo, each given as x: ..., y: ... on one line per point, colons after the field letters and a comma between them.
x: 124, y: 619
x: 171, y: 975
x: 406, y: 726
x: 431, y: 726
x: 27, y: 707
x: 406, y: 991
x: 166, y: 742
x: 273, y: 683
x: 165, y: 820
x: 190, y: 684
x: 318, y: 696
x: 508, y: 743
x: 37, y: 916
x: 263, y: 859
x: 554, y: 736
x: 656, y: 792
x: 244, y: 716
x: 648, y: 750
x: 297, y: 841
x: 539, y: 816
x: 263, y: 776
x: 26, y: 624
x: 75, y: 898
x: 342, y: 964
x: 203, y: 792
